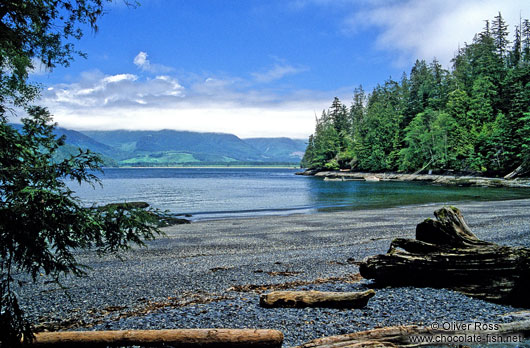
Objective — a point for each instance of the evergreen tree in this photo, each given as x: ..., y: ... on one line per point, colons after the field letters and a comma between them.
x: 515, y: 53
x: 42, y: 223
x: 472, y: 118
x: 525, y: 39
x: 357, y: 112
x: 309, y: 153
x: 500, y: 35
x: 418, y: 92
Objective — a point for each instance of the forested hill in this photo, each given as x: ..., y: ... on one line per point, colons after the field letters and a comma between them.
x: 474, y: 117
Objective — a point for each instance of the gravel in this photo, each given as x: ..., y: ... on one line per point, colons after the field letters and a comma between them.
x: 186, y: 278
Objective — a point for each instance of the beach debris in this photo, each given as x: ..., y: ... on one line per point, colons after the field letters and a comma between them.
x: 285, y: 273
x: 217, y: 269
x: 97, y: 316
x: 349, y: 279
x: 417, y: 336
x: 178, y: 338
x: 300, y: 299
x: 446, y: 254
x: 160, y: 218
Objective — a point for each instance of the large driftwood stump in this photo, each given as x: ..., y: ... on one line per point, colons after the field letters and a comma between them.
x: 300, y: 299
x: 404, y: 336
x: 192, y: 338
x: 447, y: 254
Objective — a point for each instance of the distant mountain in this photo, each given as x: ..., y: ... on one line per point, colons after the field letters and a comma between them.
x: 207, y: 146
x: 227, y: 145
x: 76, y: 140
x: 79, y: 139
x: 167, y: 147
x: 279, y: 149
x: 171, y: 147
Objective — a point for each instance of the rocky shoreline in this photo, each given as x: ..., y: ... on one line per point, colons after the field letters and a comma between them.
x: 211, y: 274
x: 436, y: 179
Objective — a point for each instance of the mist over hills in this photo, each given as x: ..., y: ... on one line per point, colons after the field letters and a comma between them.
x: 171, y: 147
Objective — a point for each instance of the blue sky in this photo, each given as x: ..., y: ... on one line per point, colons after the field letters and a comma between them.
x: 249, y: 67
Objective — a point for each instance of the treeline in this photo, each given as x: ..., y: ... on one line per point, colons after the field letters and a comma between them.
x: 472, y: 118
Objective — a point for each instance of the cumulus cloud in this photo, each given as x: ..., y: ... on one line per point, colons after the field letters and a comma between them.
x: 429, y: 28
x: 144, y: 64
x: 207, y: 104
x: 98, y: 90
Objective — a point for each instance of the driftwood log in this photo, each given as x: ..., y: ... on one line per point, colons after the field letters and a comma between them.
x: 408, y: 336
x: 192, y: 338
x: 300, y: 299
x: 447, y: 254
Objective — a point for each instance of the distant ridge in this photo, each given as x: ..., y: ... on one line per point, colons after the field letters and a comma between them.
x: 285, y: 149
x: 171, y: 147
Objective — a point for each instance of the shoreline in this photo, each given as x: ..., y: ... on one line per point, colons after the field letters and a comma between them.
x: 293, y: 167
x: 204, y: 274
x: 436, y: 179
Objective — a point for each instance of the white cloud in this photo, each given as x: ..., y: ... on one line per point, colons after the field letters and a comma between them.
x: 278, y: 71
x: 429, y: 28
x: 296, y: 120
x: 144, y: 64
x: 212, y: 104
x: 120, y: 77
x: 208, y: 103
x: 96, y: 89
x: 141, y: 59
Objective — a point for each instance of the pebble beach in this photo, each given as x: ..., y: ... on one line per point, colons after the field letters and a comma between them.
x: 209, y: 274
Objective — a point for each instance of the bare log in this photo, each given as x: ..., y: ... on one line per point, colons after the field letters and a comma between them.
x: 316, y: 299
x: 400, y: 336
x: 192, y: 338
x: 522, y: 169
x: 447, y: 254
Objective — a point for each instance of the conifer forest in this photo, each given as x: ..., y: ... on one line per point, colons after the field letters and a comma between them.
x: 472, y: 118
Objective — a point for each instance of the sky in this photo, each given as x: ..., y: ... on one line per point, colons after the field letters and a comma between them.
x: 254, y: 68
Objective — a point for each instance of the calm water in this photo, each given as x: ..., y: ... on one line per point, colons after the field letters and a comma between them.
x: 211, y: 193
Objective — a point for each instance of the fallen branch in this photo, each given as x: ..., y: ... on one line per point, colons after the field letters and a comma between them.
x: 417, y: 336
x: 301, y: 299
x: 177, y: 338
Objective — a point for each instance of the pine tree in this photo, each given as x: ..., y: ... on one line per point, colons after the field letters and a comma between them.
x: 515, y: 53
x: 500, y: 35
x: 339, y: 117
x: 309, y: 153
x: 525, y: 38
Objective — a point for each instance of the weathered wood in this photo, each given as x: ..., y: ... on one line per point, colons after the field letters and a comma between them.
x: 400, y: 336
x: 447, y: 254
x: 316, y: 299
x: 522, y: 169
x: 191, y: 338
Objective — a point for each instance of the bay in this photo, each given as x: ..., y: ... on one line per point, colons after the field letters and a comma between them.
x: 217, y: 193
